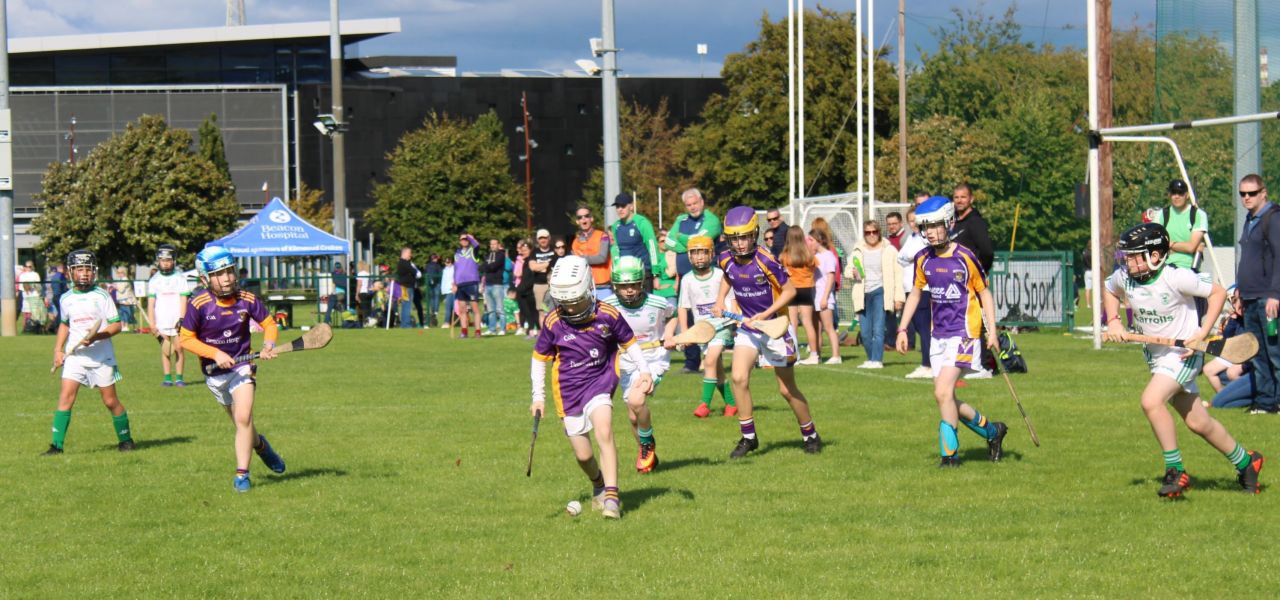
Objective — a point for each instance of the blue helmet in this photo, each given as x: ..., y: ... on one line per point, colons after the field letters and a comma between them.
x: 937, y: 209
x: 213, y: 259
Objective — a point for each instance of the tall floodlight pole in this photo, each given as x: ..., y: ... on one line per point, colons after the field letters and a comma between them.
x: 791, y: 108
x: 902, y: 102
x: 800, y: 97
x: 1095, y: 139
x: 612, y: 167
x: 1248, y: 135
x: 857, y: 16
x: 871, y: 109
x: 8, y: 307
x: 339, y: 142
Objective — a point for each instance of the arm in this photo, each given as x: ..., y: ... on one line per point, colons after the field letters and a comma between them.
x: 650, y: 242
x: 675, y: 239
x: 718, y: 309
x: 1216, y: 299
x: 538, y: 377
x: 1191, y: 246
x: 602, y: 252
x: 614, y: 251
x: 670, y: 258
x: 783, y: 299
x: 1111, y: 306
x: 989, y: 310
x: 908, y: 311
x: 59, y: 342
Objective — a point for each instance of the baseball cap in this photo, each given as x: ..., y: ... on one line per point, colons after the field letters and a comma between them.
x: 623, y: 200
x: 1177, y: 186
x: 543, y: 233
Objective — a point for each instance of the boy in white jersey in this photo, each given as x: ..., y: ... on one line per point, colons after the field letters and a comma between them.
x: 167, y: 293
x: 650, y: 320
x: 698, y: 293
x: 87, y: 361
x: 1163, y: 301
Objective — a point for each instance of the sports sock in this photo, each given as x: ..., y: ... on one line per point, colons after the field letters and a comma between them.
x: 61, y: 421
x: 726, y: 390
x: 948, y: 441
x: 808, y: 431
x: 121, y: 423
x: 1173, y: 460
x: 597, y: 484
x: 611, y: 493
x: 980, y: 425
x: 168, y: 378
x: 708, y: 391
x: 240, y: 472
x: 177, y: 378
x: 646, y: 435
x: 1239, y: 457
x: 748, y: 427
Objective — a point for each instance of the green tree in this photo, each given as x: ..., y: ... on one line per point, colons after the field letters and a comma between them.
x: 649, y: 153
x: 448, y: 177
x: 309, y: 204
x: 211, y: 146
x: 141, y: 188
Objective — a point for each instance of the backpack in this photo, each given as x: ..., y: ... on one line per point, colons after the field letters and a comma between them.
x: 1011, y: 360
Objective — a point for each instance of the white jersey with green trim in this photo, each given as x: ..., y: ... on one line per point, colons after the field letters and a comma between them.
x: 1165, y: 305
x: 698, y: 294
x: 78, y: 311
x: 169, y: 292
x: 647, y: 322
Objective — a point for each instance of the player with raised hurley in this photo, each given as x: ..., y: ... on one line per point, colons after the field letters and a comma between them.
x: 581, y: 338
x: 84, y: 351
x: 1162, y: 297
x: 216, y: 328
x: 650, y: 320
x: 760, y: 287
x: 167, y: 294
x: 698, y: 293
x: 958, y: 295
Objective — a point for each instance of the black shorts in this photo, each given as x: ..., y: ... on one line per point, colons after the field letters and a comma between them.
x: 468, y: 292
x: 804, y: 297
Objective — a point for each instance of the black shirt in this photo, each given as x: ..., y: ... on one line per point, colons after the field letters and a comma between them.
x: 972, y: 233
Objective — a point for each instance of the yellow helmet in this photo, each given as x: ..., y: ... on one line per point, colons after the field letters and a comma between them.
x: 701, y: 242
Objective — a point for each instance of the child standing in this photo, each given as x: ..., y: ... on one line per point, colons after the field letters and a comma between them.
x: 167, y: 295
x: 802, y: 270
x: 698, y: 294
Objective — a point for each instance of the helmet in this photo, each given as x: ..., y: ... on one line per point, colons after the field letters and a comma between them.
x: 742, y: 223
x: 572, y: 288
x: 167, y: 252
x: 937, y: 210
x: 211, y: 260
x: 77, y: 263
x: 701, y: 243
x: 629, y: 272
x: 1142, y: 240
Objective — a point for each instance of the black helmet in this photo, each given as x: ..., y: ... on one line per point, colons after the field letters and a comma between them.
x: 81, y: 258
x: 166, y: 251
x: 1143, y: 240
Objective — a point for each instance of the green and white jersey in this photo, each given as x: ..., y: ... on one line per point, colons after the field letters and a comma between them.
x: 647, y: 323
x: 78, y: 311
x: 1165, y: 305
x: 1180, y: 228
x: 698, y: 294
x: 169, y: 293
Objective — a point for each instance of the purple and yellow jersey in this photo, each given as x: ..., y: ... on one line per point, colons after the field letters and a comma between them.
x: 954, y: 280
x: 583, y: 358
x: 755, y: 284
x: 211, y: 326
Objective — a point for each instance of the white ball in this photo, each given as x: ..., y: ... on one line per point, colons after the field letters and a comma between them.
x: 573, y: 508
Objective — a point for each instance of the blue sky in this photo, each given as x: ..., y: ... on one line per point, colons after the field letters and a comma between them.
x: 658, y: 37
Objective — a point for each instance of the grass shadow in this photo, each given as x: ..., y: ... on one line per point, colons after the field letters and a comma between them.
x: 797, y: 444
x: 686, y: 462
x: 159, y: 443
x: 981, y: 455
x: 633, y: 499
x: 306, y: 474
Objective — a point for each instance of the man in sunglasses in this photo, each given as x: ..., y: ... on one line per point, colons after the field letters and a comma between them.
x: 593, y: 244
x: 1258, y: 289
x: 776, y: 232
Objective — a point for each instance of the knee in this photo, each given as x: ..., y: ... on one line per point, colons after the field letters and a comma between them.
x: 739, y: 381
x: 1200, y: 422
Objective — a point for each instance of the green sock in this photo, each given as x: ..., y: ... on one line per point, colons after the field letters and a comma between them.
x: 61, y: 421
x: 1239, y: 457
x: 726, y: 390
x: 646, y: 435
x: 1173, y: 460
x: 121, y: 423
x: 708, y: 390
x: 177, y: 377
x: 168, y: 378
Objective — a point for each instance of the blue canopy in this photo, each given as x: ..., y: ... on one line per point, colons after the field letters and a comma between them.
x: 278, y: 231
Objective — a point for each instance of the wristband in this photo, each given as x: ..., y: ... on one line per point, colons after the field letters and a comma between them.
x: 903, y: 330
x: 1113, y: 318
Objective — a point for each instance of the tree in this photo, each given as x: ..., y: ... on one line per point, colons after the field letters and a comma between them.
x: 309, y: 204
x: 211, y: 146
x: 650, y: 160
x: 448, y: 177
x: 137, y: 190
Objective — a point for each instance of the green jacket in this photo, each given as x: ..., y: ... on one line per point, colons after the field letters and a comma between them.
x: 635, y: 238
x: 678, y: 238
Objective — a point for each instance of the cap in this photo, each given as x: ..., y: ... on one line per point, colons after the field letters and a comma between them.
x: 1177, y: 186
x: 543, y: 233
x: 623, y: 200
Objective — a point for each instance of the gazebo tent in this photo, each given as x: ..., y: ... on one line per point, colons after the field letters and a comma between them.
x: 278, y: 231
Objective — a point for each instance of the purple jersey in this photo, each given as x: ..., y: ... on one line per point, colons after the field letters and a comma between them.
x: 583, y: 358
x: 223, y: 326
x: 756, y: 284
x: 954, y: 280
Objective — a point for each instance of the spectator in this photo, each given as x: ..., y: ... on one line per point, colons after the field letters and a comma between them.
x: 431, y: 273
x: 446, y: 289
x: 466, y: 282
x: 1187, y: 225
x: 33, y: 306
x: 880, y: 275
x: 406, y: 279
x: 920, y: 323
x: 1233, y: 384
x: 493, y: 270
x: 897, y: 233
x: 632, y: 235
x: 526, y: 296
x: 665, y: 285
x: 126, y: 301
x: 543, y: 255
x: 57, y: 283
x: 768, y: 239
x: 775, y: 236
x: 697, y: 220
x: 364, y: 290
x: 802, y: 269
x: 827, y: 284
x: 593, y: 245
x: 1258, y: 289
x: 971, y: 231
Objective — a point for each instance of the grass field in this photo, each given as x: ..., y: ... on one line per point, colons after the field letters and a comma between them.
x: 406, y: 456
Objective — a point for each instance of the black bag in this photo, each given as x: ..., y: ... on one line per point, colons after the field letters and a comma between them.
x: 1010, y: 356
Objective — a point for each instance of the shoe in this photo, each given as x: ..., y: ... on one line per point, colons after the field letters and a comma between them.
x: 921, y: 372
x: 949, y: 461
x: 647, y: 461
x: 532, y: 336
x: 980, y: 374
x: 52, y: 451
x: 702, y: 411
x: 1249, y: 474
x: 1175, y: 482
x: 180, y: 383
x: 269, y: 456
x: 995, y: 445
x: 166, y: 383
x: 426, y: 327
x: 126, y: 446
x: 960, y: 383
x: 463, y: 336
x: 241, y: 483
x: 486, y: 333
x: 502, y: 332
x: 871, y: 364
x: 688, y: 371
x: 612, y: 509
x: 1258, y: 409
x: 744, y: 446
x: 520, y: 331
x: 730, y: 411
x: 812, y: 360
x: 834, y: 360
x: 813, y: 445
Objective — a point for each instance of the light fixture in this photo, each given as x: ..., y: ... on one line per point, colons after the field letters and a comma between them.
x: 597, y: 46
x: 588, y: 66
x: 327, y: 125
x: 533, y: 143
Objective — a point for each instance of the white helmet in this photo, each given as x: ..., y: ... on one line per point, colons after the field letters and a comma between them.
x: 572, y: 288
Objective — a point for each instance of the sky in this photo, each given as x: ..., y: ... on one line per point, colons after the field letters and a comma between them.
x: 657, y: 37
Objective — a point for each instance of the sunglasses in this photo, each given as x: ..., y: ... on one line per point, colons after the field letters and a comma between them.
x: 1250, y: 194
x: 871, y: 232
x: 581, y: 217
x: 772, y: 219
x: 559, y: 246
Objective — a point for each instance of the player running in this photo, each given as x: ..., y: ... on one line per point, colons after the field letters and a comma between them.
x: 1163, y: 301
x: 760, y: 287
x: 88, y: 361
x: 581, y: 339
x: 167, y: 295
x: 698, y: 293
x: 216, y: 328
x: 956, y: 284
x: 649, y: 318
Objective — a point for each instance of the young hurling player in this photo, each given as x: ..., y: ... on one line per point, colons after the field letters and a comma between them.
x: 1163, y: 301
x: 581, y: 339
x: 167, y: 294
x: 90, y: 362
x: 698, y: 293
x: 956, y: 284
x: 760, y: 287
x: 216, y: 328
x: 649, y: 318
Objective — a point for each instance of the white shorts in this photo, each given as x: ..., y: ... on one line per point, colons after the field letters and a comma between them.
x: 953, y: 352
x: 1168, y: 361
x: 724, y: 333
x: 828, y: 305
x: 90, y: 373
x: 656, y: 368
x: 774, y: 353
x: 581, y: 424
x: 223, y: 385
x: 167, y: 331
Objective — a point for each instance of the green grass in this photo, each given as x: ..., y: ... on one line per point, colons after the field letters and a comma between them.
x: 406, y: 456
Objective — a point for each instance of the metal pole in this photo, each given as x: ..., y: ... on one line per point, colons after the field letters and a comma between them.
x: 857, y: 15
x: 902, y: 102
x: 528, y: 165
x: 1248, y: 142
x: 297, y: 148
x: 659, y: 207
x: 1095, y: 139
x: 8, y: 254
x: 612, y: 167
x: 1192, y: 124
x: 791, y: 104
x: 339, y: 143
x: 871, y: 108
x: 803, y: 183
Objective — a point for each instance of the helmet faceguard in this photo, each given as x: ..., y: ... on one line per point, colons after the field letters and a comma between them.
x: 1137, y: 245
x: 217, y: 268
x: 741, y: 229
x: 166, y: 258
x: 701, y: 252
x: 82, y: 265
x: 937, y: 211
x: 628, y: 281
x: 573, y: 290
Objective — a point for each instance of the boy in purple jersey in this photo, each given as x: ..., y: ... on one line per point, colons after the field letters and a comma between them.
x: 956, y: 283
x: 760, y: 287
x: 581, y: 339
x: 215, y: 327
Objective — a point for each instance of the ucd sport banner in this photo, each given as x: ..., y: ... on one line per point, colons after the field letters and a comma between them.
x: 1033, y: 288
